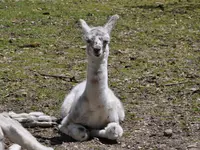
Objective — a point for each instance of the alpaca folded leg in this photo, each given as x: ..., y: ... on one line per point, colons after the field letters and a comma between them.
x: 112, y: 131
x: 76, y: 131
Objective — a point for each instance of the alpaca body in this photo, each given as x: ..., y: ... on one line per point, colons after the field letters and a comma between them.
x: 92, y: 103
x: 94, y: 113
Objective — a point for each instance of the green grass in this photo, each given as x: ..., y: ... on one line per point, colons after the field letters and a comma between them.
x: 153, y: 65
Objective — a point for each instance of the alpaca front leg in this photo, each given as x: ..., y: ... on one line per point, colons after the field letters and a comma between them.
x: 112, y: 131
x: 1, y: 139
x: 76, y: 131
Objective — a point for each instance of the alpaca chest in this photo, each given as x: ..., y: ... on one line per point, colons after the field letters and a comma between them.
x: 96, y: 117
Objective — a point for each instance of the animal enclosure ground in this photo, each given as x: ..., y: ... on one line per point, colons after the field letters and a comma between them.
x: 154, y: 66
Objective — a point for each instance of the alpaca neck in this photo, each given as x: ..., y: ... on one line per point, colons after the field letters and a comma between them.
x: 97, y: 78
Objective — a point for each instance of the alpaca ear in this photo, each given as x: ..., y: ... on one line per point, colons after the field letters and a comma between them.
x: 111, y: 22
x: 84, y: 26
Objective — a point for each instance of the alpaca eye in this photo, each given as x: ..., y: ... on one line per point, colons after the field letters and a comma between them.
x: 88, y: 41
x: 105, y: 42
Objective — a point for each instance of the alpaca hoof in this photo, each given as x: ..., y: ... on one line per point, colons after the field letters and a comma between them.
x: 63, y: 129
x: 113, y: 131
x: 76, y: 131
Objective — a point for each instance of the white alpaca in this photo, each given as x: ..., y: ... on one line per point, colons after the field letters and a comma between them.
x: 91, y: 108
x: 16, y: 133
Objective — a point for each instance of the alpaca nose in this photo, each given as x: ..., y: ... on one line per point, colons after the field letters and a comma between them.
x: 97, y: 50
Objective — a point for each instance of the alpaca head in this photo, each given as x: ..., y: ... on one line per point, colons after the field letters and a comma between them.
x: 98, y: 38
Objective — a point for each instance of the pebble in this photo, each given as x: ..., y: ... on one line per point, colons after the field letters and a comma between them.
x: 128, y: 146
x: 168, y: 132
x: 123, y: 145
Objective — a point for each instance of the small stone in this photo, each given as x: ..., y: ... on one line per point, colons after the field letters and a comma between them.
x: 123, y: 145
x: 75, y: 146
x: 24, y: 93
x: 128, y: 146
x: 168, y: 132
x: 83, y: 47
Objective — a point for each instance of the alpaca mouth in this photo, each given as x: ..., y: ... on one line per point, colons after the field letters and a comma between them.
x: 97, y: 54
